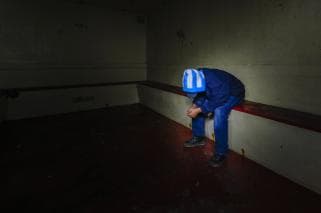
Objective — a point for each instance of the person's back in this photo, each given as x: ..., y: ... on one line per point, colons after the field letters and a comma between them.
x: 229, y: 85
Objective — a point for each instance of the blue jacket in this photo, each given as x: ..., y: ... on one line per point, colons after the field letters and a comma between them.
x: 220, y: 85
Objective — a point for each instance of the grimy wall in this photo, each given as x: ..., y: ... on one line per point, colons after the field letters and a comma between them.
x: 55, y: 43
x: 273, y: 46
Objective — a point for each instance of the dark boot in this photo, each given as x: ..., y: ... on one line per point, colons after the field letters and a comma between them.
x: 195, y: 141
x: 217, y: 160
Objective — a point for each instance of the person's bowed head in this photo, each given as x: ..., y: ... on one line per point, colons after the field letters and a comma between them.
x: 193, y: 83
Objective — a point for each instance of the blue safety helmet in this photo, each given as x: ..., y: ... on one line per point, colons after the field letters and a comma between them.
x: 193, y: 81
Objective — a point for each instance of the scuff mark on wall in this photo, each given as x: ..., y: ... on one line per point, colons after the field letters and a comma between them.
x: 181, y: 35
x: 141, y: 19
x: 213, y: 137
x: 278, y: 4
x: 243, y: 152
x: 81, y: 27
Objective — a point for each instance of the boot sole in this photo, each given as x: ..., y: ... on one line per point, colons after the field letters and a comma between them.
x: 195, y: 145
x: 216, y: 165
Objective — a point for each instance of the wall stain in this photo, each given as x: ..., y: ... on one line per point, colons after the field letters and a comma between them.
x: 279, y: 4
x: 60, y: 31
x: 81, y: 27
x: 181, y: 35
x: 141, y: 19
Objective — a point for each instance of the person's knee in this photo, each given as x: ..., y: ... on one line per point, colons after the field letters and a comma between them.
x: 220, y: 113
x: 220, y: 118
x: 217, y: 112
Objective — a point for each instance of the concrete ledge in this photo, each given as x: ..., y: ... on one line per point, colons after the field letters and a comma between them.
x: 35, y: 103
x: 70, y: 86
x: 288, y: 116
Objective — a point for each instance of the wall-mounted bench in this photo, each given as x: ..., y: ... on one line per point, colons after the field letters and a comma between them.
x: 288, y: 116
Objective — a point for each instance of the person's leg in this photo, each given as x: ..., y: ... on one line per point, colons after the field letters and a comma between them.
x: 221, y: 125
x: 221, y: 130
x: 198, y: 126
x: 198, y: 130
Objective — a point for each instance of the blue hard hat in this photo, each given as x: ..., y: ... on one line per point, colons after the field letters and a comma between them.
x: 193, y: 81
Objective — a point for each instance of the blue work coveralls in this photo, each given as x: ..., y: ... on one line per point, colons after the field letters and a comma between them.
x: 223, y: 92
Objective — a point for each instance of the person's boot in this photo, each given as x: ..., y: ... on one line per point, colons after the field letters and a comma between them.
x: 217, y: 160
x: 195, y: 141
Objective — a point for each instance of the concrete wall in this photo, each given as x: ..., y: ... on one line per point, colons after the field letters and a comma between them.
x: 274, y: 47
x: 66, y: 43
x: 289, y: 151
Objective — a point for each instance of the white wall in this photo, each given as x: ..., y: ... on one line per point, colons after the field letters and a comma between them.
x: 66, y: 43
x: 274, y: 47
x: 58, y: 101
x: 287, y: 150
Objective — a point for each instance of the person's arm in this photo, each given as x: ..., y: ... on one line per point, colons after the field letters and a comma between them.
x: 208, y: 106
x: 213, y: 98
x: 199, y: 100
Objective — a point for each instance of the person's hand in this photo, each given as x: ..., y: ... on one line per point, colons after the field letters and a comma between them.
x: 190, y: 109
x: 193, y: 112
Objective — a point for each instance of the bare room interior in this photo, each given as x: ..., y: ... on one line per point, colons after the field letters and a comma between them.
x: 97, y: 115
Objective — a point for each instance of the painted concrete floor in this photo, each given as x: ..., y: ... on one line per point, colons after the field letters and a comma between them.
x: 130, y: 159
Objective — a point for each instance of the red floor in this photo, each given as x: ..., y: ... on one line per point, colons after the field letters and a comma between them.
x: 129, y: 159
